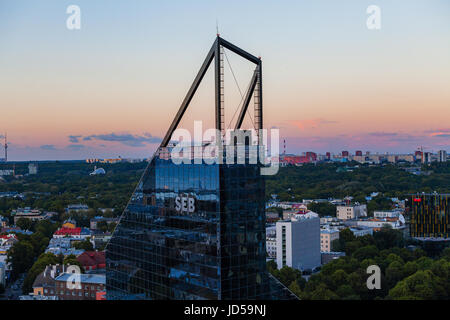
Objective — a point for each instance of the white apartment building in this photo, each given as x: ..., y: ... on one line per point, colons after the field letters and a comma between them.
x: 361, y: 231
x: 386, y: 214
x: 379, y: 223
x: 327, y: 236
x: 442, y: 156
x: 298, y: 242
x: 349, y: 212
x: 271, y: 242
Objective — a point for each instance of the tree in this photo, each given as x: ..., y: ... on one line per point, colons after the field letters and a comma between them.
x: 21, y: 256
x: 287, y: 275
x: 85, y: 245
x: 422, y: 285
x: 366, y: 252
x: 323, y: 293
x: 295, y: 288
x: 24, y: 224
x: 394, y: 273
x: 323, y: 208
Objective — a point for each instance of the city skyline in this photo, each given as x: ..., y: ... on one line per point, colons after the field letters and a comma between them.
x: 112, y: 87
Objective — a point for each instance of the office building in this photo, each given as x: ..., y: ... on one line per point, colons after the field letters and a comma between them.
x: 442, y: 156
x: 429, y: 215
x: 196, y: 230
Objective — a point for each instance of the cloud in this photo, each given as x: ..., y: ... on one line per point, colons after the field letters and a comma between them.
x: 74, y: 139
x: 48, y: 147
x: 383, y: 134
x: 441, y: 135
x: 127, y: 139
x: 75, y: 146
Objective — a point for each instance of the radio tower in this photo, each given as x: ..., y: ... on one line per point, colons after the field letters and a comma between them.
x: 6, y: 149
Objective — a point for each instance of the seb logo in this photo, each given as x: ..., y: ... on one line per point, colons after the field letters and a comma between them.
x: 185, y: 203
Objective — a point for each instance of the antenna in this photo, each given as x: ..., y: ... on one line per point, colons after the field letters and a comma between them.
x: 217, y: 28
x: 6, y: 148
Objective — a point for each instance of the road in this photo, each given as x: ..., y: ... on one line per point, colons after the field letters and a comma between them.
x: 14, y: 290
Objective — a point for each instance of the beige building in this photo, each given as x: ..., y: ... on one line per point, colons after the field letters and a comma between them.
x: 350, y: 212
x: 327, y: 236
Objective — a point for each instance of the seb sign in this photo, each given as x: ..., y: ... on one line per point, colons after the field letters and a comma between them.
x: 185, y: 203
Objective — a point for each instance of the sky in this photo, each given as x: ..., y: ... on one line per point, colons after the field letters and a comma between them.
x: 112, y: 87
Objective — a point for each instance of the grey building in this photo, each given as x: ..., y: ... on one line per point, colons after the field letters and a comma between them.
x: 298, y: 242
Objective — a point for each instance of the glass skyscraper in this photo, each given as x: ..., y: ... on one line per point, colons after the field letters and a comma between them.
x: 192, y: 231
x: 196, y: 230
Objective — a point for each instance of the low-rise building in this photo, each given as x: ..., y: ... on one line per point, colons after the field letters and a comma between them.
x: 85, y: 286
x: 327, y: 236
x: 75, y: 233
x: 94, y: 221
x: 271, y: 242
x: 31, y: 214
x: 360, y: 231
x: 45, y: 283
x: 377, y: 224
x: 351, y: 211
x: 92, y: 260
x: 2, y: 274
x: 379, y: 214
x: 71, y: 208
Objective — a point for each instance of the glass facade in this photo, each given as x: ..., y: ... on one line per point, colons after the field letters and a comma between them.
x: 192, y: 231
x: 429, y: 215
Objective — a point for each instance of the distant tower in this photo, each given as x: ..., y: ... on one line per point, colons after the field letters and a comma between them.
x: 6, y: 149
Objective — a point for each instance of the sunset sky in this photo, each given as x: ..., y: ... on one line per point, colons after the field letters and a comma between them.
x: 330, y: 84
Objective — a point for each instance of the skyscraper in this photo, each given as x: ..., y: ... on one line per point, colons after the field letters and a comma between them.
x: 196, y: 230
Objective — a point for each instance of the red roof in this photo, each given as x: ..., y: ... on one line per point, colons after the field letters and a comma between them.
x: 92, y: 259
x: 8, y: 236
x: 68, y: 231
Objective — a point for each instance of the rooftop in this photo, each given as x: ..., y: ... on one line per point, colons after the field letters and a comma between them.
x: 85, y: 278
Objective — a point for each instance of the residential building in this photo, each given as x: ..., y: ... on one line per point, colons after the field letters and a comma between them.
x: 92, y: 260
x: 426, y: 158
x: 2, y: 273
x: 351, y: 211
x: 94, y: 221
x: 77, y: 208
x: 271, y: 242
x: 327, y: 236
x: 361, y: 230
x: 75, y: 233
x: 70, y: 286
x: 380, y: 214
x: 4, y: 222
x: 32, y: 168
x: 31, y: 214
x: 298, y: 242
x: 442, y: 156
x: 376, y: 224
x: 45, y: 283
